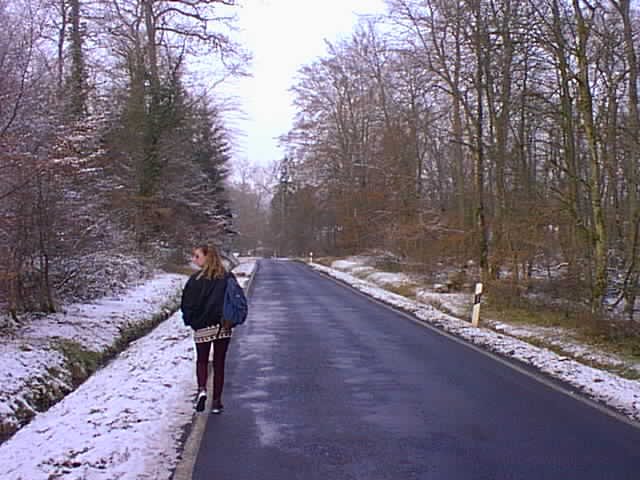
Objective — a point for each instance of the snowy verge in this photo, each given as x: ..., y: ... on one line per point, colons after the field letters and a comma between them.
x: 363, y: 267
x: 619, y: 393
x: 127, y: 421
x: 48, y: 358
x: 566, y: 342
x: 245, y: 269
x: 124, y: 422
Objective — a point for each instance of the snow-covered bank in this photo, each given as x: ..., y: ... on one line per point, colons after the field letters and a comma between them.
x: 617, y: 392
x: 47, y: 358
x: 125, y: 422
x: 245, y: 269
x: 361, y: 267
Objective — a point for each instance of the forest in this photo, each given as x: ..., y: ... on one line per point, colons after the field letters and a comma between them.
x: 500, y: 136
x: 496, y: 138
x: 114, y: 152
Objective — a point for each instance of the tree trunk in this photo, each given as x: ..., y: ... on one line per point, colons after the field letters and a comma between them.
x: 76, y: 86
x: 483, y: 243
x: 457, y: 130
x: 61, y: 41
x: 152, y: 48
x: 585, y: 106
x: 500, y: 110
x: 567, y: 127
x: 632, y: 147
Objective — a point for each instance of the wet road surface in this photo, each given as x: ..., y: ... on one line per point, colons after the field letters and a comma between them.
x: 324, y: 384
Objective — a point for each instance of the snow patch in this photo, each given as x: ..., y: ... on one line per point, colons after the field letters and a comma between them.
x: 345, y: 264
x: 385, y: 278
x: 359, y: 266
x: 33, y: 371
x: 126, y: 421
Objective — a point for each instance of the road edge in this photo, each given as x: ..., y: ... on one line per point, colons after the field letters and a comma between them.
x: 189, y: 454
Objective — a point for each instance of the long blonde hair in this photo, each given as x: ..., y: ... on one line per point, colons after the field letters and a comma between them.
x: 213, y: 266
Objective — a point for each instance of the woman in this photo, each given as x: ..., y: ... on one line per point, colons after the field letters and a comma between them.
x: 202, y: 303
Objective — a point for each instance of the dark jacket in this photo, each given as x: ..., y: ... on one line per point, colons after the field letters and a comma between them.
x: 203, y: 300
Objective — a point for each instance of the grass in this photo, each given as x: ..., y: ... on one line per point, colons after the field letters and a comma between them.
x: 362, y: 275
x: 625, y: 344
x: 392, y: 266
x: 618, y: 337
x: 526, y: 316
x: 79, y: 361
x: 438, y: 305
x: 405, y: 289
x: 23, y: 414
x: 326, y: 261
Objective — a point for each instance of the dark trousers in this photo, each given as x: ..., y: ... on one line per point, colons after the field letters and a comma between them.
x: 220, y: 347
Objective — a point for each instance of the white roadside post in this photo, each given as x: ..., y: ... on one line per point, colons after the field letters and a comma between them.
x: 475, y: 319
x: 310, y: 257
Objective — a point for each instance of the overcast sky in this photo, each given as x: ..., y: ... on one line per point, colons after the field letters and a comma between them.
x: 282, y: 35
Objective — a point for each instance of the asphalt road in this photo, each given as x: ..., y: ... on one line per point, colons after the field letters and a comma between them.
x: 325, y: 384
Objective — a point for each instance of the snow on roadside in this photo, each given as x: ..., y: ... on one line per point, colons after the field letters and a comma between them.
x: 563, y: 340
x: 125, y: 422
x: 95, y: 325
x: 34, y: 372
x: 388, y: 279
x: 245, y: 269
x: 617, y: 392
x: 345, y: 264
x: 362, y: 267
x: 459, y: 304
